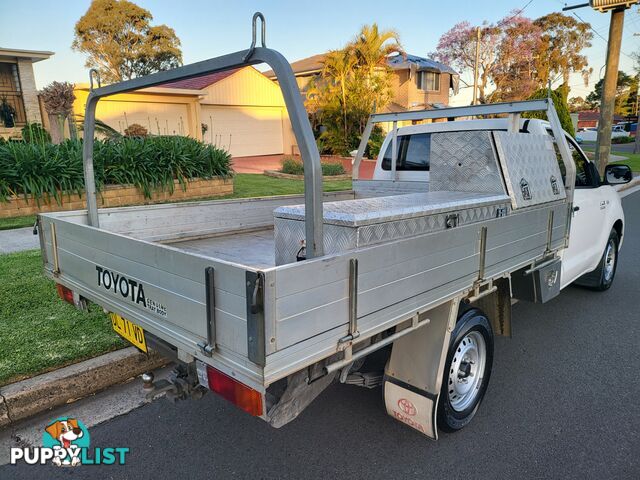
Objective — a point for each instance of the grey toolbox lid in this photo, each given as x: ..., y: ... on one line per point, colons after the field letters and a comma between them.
x: 367, y: 211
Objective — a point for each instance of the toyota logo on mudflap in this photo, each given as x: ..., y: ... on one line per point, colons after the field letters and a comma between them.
x: 407, y: 407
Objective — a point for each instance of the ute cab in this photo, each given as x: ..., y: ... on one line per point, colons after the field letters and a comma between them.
x: 597, y: 210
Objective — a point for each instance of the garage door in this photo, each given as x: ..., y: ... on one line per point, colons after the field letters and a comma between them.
x: 157, y: 118
x: 244, y: 131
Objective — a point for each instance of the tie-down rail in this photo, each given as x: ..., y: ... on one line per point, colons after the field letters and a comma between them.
x: 514, y: 109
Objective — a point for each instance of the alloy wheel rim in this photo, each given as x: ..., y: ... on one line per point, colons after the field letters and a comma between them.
x: 466, y: 371
x: 609, y: 261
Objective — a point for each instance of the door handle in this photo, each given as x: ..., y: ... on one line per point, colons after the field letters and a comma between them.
x: 576, y: 208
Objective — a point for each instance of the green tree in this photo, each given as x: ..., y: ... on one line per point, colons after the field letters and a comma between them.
x: 372, y: 46
x: 559, y: 53
x: 577, y: 104
x: 354, y: 81
x: 626, y: 90
x: 559, y: 96
x: 517, y: 55
x: 338, y: 67
x: 122, y: 44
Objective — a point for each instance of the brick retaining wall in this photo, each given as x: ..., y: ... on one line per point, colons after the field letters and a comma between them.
x: 119, y: 196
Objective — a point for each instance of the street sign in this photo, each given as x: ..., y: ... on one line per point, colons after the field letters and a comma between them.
x: 606, y: 5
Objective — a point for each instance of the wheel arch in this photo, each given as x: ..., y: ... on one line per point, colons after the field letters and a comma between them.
x: 618, y: 226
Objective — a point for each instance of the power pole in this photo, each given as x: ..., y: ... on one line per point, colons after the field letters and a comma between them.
x: 636, y: 143
x: 475, y: 68
x: 607, y: 104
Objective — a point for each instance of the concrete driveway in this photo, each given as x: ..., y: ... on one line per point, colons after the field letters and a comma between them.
x: 258, y: 164
x: 17, y: 240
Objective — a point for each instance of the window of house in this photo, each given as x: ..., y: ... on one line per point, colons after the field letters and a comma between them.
x: 428, y: 81
x: 10, y: 90
x: 413, y: 153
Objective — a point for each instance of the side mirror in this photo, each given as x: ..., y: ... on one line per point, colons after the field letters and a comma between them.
x: 617, y: 174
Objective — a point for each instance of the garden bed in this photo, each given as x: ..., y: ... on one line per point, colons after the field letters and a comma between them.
x: 118, y: 196
x: 277, y: 174
x: 127, y: 171
x: 293, y: 169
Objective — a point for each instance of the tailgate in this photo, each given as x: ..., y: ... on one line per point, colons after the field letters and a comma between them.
x: 160, y: 288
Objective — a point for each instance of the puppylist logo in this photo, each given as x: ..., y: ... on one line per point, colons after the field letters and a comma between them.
x: 65, y: 443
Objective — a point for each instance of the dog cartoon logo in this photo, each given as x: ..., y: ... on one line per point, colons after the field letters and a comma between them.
x: 66, y: 436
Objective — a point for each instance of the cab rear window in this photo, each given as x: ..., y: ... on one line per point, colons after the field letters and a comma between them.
x: 412, y: 152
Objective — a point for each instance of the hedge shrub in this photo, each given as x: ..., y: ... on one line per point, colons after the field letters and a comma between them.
x: 294, y: 166
x: 559, y: 97
x: 623, y: 139
x: 152, y: 164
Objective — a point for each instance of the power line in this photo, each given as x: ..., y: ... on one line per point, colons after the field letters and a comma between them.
x: 598, y: 33
x: 518, y: 12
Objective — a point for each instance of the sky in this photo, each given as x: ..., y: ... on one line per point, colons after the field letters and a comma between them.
x: 296, y: 28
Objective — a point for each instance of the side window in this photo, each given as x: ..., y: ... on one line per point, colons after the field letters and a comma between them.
x: 413, y: 153
x: 583, y: 172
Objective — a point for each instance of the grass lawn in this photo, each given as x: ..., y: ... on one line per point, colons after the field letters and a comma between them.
x: 246, y: 185
x: 252, y: 185
x: 16, y: 222
x: 38, y: 331
x: 632, y: 159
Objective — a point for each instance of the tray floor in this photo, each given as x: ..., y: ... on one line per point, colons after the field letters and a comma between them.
x: 254, y: 249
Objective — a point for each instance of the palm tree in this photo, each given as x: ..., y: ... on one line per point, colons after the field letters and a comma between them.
x: 338, y: 65
x: 372, y: 46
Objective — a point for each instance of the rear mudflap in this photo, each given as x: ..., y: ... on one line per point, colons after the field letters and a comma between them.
x: 411, y: 406
x: 413, y: 375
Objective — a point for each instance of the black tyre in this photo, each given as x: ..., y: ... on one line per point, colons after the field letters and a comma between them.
x: 467, y: 370
x: 602, y: 277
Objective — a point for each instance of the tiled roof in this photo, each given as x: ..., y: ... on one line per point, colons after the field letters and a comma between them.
x: 309, y: 64
x: 397, y: 62
x: 590, y: 115
x: 404, y: 61
x: 200, y: 83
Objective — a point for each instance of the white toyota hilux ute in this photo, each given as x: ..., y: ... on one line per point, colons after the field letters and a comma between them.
x: 597, y: 223
x: 402, y: 282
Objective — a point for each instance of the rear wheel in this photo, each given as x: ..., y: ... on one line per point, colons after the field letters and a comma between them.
x: 467, y: 370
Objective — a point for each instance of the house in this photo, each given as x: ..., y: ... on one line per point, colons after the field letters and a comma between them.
x: 590, y: 118
x: 244, y: 111
x: 162, y: 111
x: 18, y: 89
x: 239, y: 110
x: 417, y: 83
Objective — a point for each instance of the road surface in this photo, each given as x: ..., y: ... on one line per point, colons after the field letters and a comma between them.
x: 562, y: 403
x: 615, y: 147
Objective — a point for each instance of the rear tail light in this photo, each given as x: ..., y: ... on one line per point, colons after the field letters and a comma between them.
x: 237, y: 393
x: 65, y: 294
x: 72, y: 297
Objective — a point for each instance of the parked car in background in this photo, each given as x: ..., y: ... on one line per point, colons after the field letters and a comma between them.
x: 591, y: 134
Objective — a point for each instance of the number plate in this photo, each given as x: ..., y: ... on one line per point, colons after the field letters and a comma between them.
x: 129, y: 331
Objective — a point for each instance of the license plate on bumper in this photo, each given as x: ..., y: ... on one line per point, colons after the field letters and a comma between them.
x: 129, y: 331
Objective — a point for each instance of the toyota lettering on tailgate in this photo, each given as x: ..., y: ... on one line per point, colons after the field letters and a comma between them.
x: 128, y: 288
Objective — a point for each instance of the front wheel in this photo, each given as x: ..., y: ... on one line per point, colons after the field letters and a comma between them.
x: 467, y: 370
x: 602, y: 277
